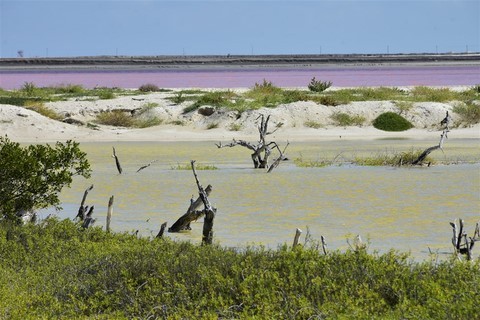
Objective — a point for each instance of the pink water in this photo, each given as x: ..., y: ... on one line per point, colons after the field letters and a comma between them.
x: 245, y: 78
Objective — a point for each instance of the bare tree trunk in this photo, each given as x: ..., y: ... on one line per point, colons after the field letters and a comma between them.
x: 210, y: 211
x: 162, y: 230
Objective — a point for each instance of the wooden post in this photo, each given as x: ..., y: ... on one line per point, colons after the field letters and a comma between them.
x: 298, y: 232
x: 117, y: 162
x: 109, y: 213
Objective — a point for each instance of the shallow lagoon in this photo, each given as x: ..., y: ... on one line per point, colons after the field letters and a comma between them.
x: 407, y: 209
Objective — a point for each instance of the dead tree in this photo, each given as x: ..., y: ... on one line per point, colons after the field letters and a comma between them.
x: 209, y: 210
x: 117, y: 162
x: 461, y: 242
x: 427, y: 151
x: 89, y: 220
x: 262, y: 149
x: 192, y: 214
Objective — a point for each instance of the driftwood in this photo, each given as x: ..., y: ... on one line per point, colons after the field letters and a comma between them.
x: 109, y: 213
x: 83, y: 209
x: 261, y: 150
x: 461, y: 242
x: 117, y: 162
x: 192, y: 214
x: 427, y: 151
x: 324, y: 245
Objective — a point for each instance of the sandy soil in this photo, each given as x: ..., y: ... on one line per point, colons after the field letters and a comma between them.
x: 292, y: 120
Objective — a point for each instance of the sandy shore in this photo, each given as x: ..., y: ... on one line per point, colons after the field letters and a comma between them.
x: 293, y: 120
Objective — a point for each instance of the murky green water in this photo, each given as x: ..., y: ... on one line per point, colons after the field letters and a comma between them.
x: 408, y: 209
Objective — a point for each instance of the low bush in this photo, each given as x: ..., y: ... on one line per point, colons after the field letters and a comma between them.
x: 345, y: 120
x: 58, y: 270
x: 115, y: 118
x: 149, y: 87
x: 40, y: 108
x: 469, y: 113
x: 390, y: 121
x: 198, y: 166
x: 319, y: 86
x: 313, y: 124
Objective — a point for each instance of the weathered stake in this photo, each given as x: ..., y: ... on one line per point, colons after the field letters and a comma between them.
x: 162, y: 230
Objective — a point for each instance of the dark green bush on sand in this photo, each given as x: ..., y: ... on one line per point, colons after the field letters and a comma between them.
x: 390, y: 121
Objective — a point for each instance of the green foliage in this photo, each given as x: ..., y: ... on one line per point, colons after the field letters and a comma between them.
x: 304, y: 163
x: 469, y: 113
x: 390, y: 121
x: 115, y: 118
x: 213, y: 125
x: 57, y: 270
x: 31, y: 177
x: 214, y: 99
x: 235, y: 127
x: 433, y: 95
x: 345, y: 120
x: 148, y: 87
x: 318, y: 85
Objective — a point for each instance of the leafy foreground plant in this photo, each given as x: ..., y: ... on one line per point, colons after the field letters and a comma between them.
x: 31, y: 177
x: 58, y: 270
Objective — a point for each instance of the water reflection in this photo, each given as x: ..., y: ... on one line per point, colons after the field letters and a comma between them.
x: 407, y: 209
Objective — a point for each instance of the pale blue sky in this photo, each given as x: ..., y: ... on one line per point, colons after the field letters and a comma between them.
x: 102, y: 27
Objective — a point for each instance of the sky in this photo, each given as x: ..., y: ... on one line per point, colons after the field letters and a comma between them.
x: 65, y: 28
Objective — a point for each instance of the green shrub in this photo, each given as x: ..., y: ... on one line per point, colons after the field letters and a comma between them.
x: 56, y: 270
x: 319, y: 86
x: 345, y: 120
x: 40, y: 108
x: 198, y: 166
x: 213, y: 98
x: 115, y: 118
x: 433, y: 95
x: 390, y: 121
x: 149, y: 87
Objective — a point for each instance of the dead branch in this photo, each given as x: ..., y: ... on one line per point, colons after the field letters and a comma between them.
x: 461, y: 242
x: 280, y: 158
x: 89, y: 220
x: 146, y: 166
x: 117, y: 162
x: 298, y: 232
x: 427, y: 151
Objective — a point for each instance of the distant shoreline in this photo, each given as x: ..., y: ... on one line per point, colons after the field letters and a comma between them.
x: 234, y: 61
